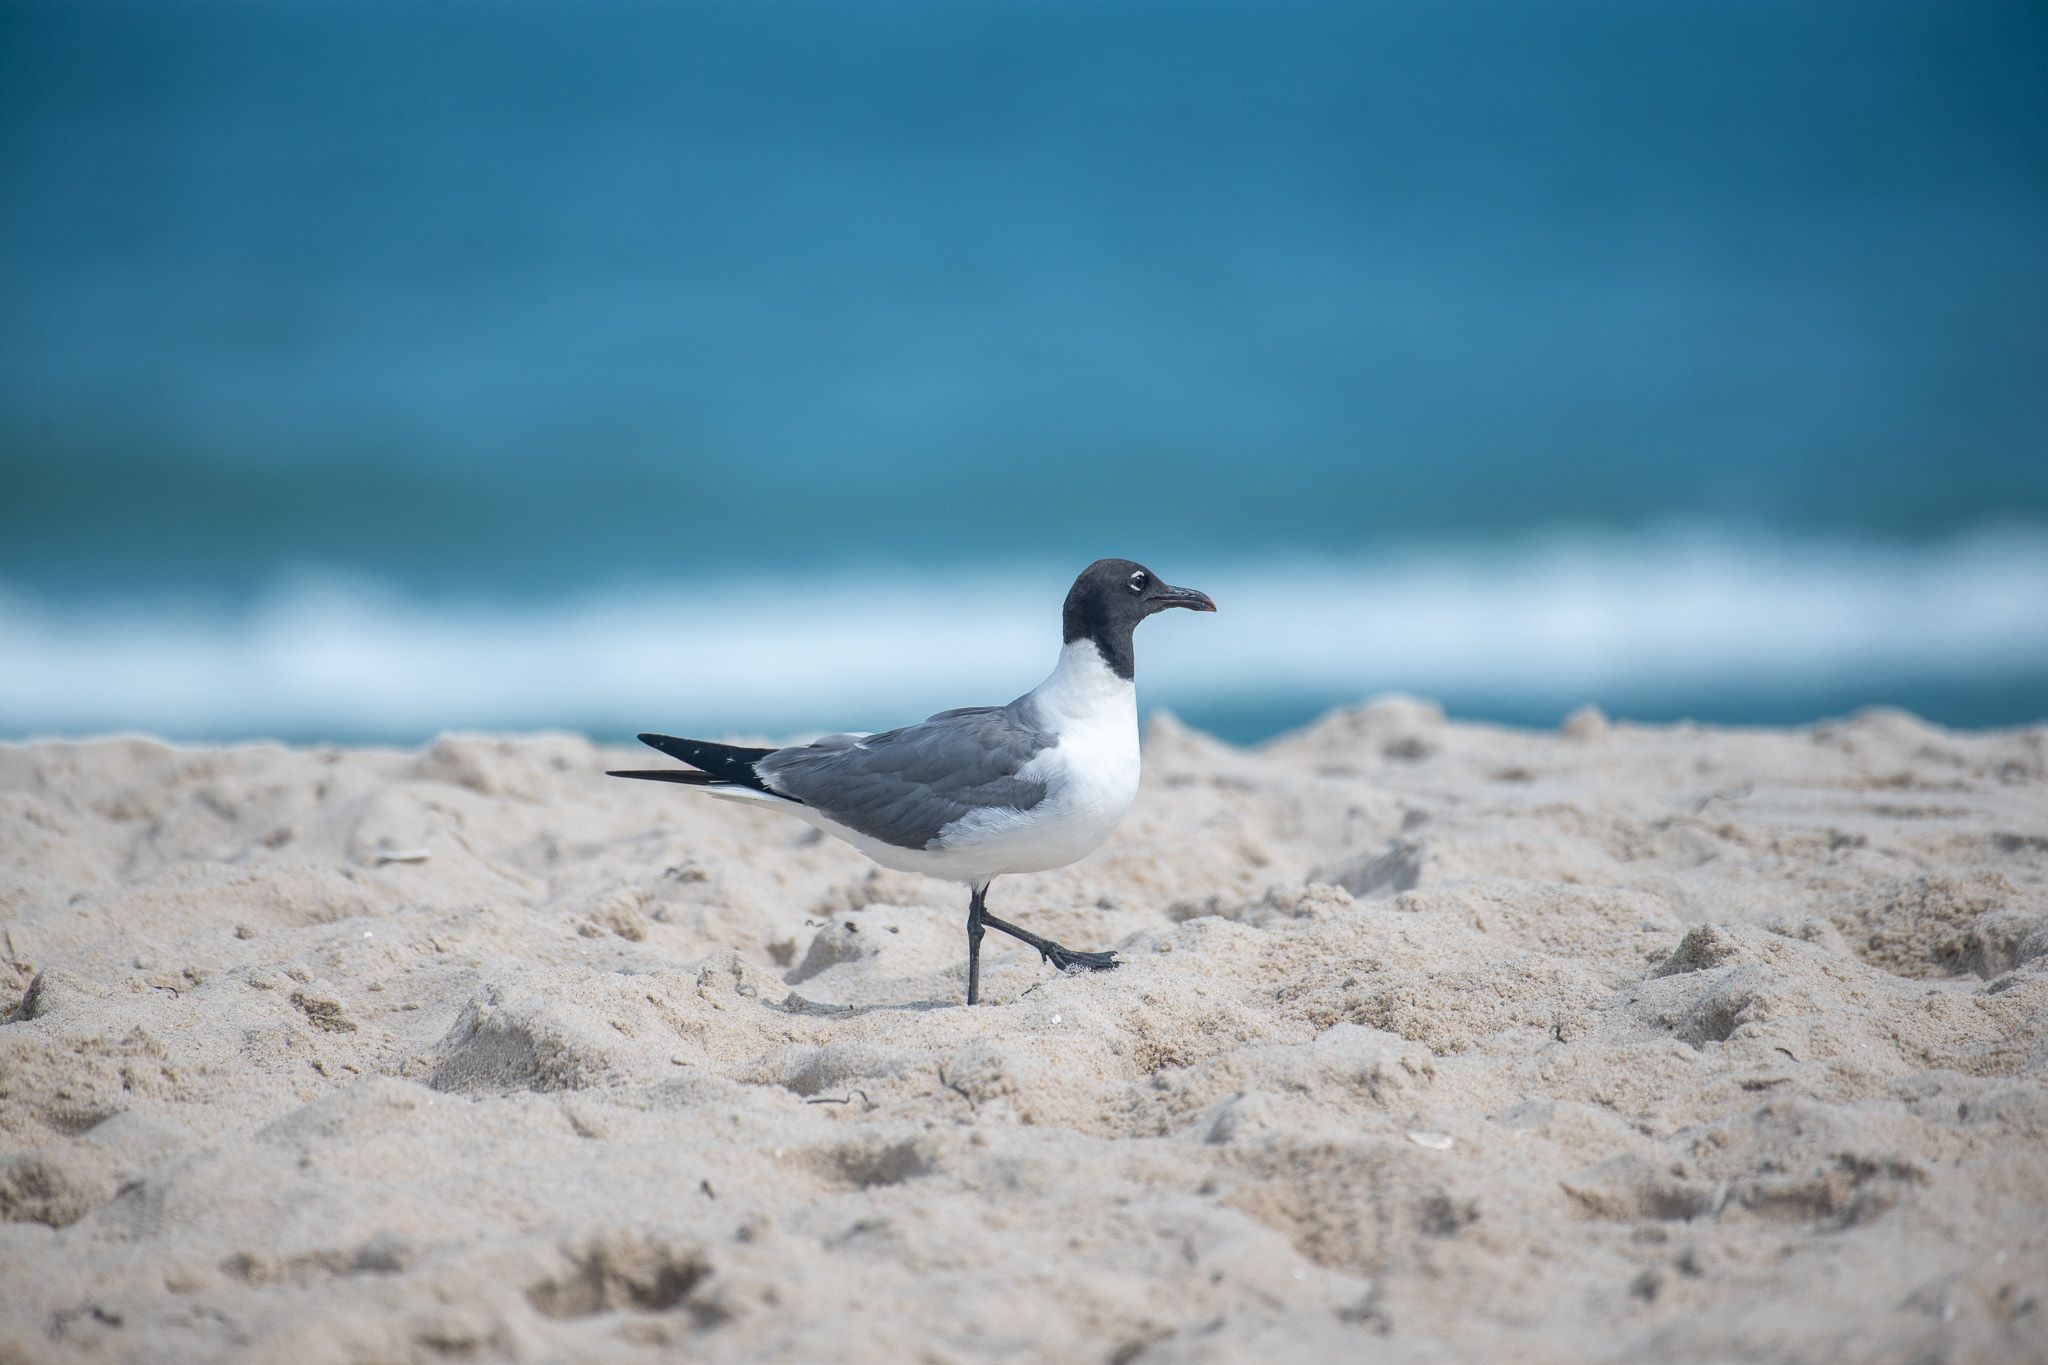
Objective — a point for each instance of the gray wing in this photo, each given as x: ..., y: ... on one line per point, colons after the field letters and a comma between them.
x: 904, y: 786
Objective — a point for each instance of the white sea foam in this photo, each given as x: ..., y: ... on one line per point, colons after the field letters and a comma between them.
x: 1679, y: 613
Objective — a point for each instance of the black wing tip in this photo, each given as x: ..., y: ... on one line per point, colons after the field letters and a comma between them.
x: 731, y: 764
x: 685, y: 776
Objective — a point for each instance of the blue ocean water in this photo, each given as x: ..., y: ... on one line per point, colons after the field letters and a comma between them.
x: 372, y: 368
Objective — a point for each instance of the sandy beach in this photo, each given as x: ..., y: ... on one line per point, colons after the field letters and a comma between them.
x: 1435, y: 1042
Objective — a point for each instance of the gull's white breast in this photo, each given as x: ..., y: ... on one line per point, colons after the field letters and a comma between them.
x: 1090, y: 775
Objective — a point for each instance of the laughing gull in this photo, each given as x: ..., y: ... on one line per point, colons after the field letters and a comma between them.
x: 972, y: 794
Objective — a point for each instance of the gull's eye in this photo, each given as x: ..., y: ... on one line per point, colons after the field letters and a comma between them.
x: 1140, y: 581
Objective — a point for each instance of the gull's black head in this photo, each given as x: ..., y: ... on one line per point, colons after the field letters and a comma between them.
x: 1109, y: 599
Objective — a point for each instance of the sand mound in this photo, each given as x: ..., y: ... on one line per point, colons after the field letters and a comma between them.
x: 1433, y: 1041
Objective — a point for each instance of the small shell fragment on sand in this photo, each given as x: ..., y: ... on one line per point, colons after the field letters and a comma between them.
x: 403, y: 855
x: 1436, y: 1142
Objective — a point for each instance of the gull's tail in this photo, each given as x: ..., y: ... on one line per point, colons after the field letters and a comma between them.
x: 720, y: 765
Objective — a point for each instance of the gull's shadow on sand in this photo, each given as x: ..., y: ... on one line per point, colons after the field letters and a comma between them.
x: 816, y: 1009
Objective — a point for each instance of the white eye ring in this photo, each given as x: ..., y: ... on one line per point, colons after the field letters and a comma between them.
x: 1138, y: 581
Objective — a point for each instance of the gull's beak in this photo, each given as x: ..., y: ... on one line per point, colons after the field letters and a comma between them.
x: 1182, y: 597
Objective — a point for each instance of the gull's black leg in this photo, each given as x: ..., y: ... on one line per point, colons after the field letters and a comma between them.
x: 1066, y: 959
x: 974, y: 932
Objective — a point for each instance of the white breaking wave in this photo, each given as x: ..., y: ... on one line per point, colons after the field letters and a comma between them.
x: 1674, y: 614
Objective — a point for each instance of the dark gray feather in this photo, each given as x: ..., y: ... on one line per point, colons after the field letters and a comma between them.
x: 904, y: 786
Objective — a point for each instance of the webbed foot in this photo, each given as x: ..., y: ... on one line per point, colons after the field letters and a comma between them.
x: 1071, y: 960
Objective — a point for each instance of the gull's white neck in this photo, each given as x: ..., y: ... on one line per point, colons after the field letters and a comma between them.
x: 1083, y: 690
